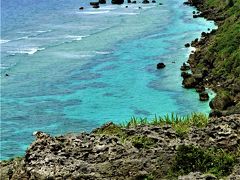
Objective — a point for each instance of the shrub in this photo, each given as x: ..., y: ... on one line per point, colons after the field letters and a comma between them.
x: 193, y: 159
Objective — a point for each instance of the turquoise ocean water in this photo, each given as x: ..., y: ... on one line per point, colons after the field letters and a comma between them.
x: 71, y: 70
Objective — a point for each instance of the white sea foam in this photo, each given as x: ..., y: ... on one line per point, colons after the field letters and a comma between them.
x: 22, y: 32
x: 126, y: 13
x: 148, y: 7
x: 29, y: 51
x: 6, y: 66
x: 72, y: 55
x: 24, y: 37
x: 44, y: 31
x: 3, y: 66
x: 108, y: 8
x: 103, y: 52
x: 76, y: 38
x: 31, y: 34
x: 38, y: 31
x: 94, y: 12
x: 3, y: 41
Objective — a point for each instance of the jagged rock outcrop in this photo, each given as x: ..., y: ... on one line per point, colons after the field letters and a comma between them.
x: 111, y: 152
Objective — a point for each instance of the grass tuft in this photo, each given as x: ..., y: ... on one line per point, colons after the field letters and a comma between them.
x: 142, y: 142
x: 181, y: 124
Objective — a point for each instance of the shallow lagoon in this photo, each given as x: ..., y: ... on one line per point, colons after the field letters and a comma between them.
x: 74, y: 70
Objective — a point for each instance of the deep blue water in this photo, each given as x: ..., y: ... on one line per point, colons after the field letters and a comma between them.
x: 71, y: 70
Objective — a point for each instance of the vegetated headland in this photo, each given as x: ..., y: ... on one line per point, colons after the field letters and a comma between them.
x: 171, y: 147
x: 216, y: 61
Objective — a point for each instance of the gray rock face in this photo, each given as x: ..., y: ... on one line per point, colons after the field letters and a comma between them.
x: 109, y: 156
x: 197, y: 176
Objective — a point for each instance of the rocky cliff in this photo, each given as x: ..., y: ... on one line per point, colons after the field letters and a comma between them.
x: 140, y: 151
x: 216, y: 61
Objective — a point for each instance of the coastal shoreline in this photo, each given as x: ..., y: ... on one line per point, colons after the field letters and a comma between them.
x: 141, y: 150
x: 227, y: 99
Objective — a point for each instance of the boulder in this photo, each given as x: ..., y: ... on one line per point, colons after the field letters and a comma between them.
x: 195, y: 16
x: 185, y: 67
x: 215, y: 113
x: 221, y: 101
x: 102, y: 1
x: 186, y: 3
x: 204, y: 34
x: 186, y: 74
x: 94, y: 3
x: 117, y: 1
x: 160, y: 4
x: 189, y: 82
x: 153, y: 1
x: 187, y: 45
x: 203, y: 96
x: 95, y: 6
x: 195, y: 2
x: 161, y: 65
x: 200, y: 88
x: 194, y: 43
x: 213, y: 31
x: 129, y: 1
x: 134, y: 2
x: 81, y: 8
x: 145, y: 2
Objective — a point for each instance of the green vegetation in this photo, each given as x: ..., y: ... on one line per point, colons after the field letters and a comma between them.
x: 226, y: 49
x: 181, y: 124
x: 188, y: 157
x: 112, y: 129
x: 142, y: 142
x: 195, y: 119
x: 194, y: 159
x: 222, y: 53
